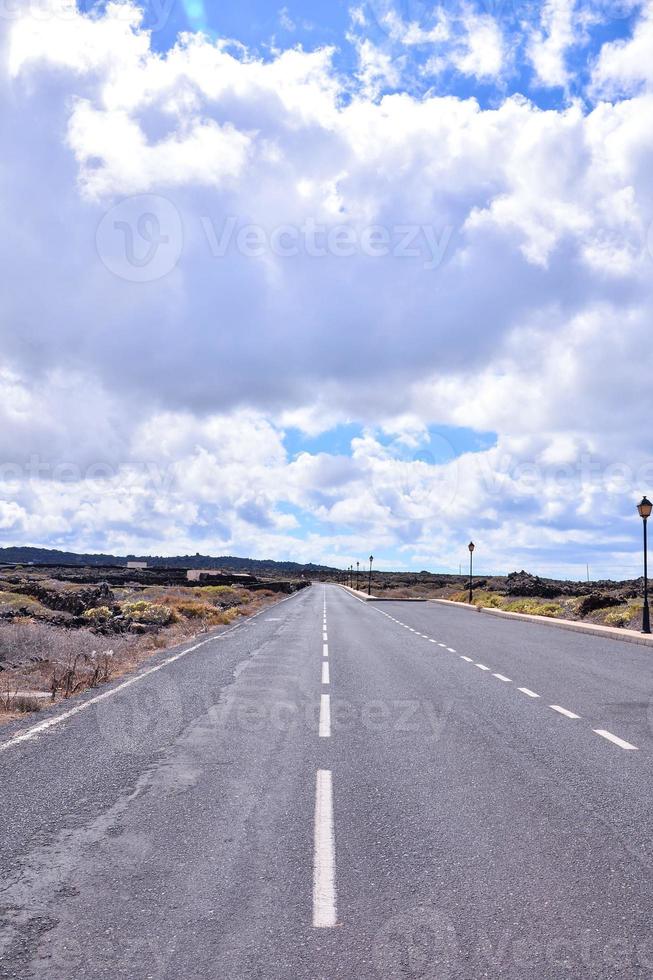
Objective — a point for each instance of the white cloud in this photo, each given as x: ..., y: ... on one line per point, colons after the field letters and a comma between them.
x: 550, y: 44
x: 482, y: 51
x: 286, y: 20
x: 469, y: 41
x: 377, y: 69
x: 533, y: 325
x: 625, y: 65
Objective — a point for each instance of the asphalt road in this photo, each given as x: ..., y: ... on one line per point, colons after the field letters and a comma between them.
x: 338, y: 789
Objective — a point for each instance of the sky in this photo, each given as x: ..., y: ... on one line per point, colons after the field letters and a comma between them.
x: 319, y: 281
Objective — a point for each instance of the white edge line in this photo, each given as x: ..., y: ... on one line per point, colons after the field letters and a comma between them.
x: 615, y: 739
x: 324, y: 861
x: 44, y: 726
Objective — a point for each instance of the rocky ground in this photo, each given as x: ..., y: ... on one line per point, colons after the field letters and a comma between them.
x: 605, y: 602
x: 63, y: 631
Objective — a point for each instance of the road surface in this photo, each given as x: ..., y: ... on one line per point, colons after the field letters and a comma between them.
x: 338, y: 789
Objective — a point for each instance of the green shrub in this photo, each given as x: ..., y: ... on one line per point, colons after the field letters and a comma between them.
x: 149, y: 613
x: 531, y: 607
x: 624, y: 615
x: 98, y: 615
x: 491, y: 601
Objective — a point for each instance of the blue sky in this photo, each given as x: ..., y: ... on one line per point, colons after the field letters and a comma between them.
x: 268, y: 27
x: 315, y: 281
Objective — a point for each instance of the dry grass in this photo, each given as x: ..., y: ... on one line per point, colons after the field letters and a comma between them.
x: 40, y: 657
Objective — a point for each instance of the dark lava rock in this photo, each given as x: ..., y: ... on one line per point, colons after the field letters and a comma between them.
x: 524, y: 584
x: 597, y: 600
x: 74, y: 601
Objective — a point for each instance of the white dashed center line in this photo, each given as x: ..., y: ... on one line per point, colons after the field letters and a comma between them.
x: 325, y: 649
x: 325, y: 671
x: 325, y: 716
x: 563, y: 711
x: 615, y: 739
x: 324, y: 861
x: 325, y: 711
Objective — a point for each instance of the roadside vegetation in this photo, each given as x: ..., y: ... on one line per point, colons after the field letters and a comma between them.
x: 627, y: 615
x: 58, y: 639
x: 603, y: 603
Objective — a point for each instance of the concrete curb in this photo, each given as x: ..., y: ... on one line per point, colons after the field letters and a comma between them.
x: 607, y: 632
x: 380, y: 598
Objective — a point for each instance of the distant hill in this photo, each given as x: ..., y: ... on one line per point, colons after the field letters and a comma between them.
x: 266, y: 566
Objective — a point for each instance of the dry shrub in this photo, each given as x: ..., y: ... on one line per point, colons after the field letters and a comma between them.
x: 204, y: 612
x: 25, y: 641
x: 13, y: 700
x: 222, y: 595
x: 45, y: 657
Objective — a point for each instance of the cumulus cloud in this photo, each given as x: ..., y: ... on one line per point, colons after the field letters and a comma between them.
x: 468, y: 40
x: 551, y: 42
x: 208, y: 247
x: 624, y: 66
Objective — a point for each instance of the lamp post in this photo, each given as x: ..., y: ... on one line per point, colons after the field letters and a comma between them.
x: 471, y: 567
x: 645, y: 509
x: 358, y: 564
x: 369, y: 580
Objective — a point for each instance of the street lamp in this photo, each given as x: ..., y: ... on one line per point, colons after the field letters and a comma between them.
x: 369, y: 580
x: 357, y: 568
x: 645, y: 509
x: 471, y: 567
